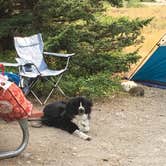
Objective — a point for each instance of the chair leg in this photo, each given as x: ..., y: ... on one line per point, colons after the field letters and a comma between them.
x: 24, y: 127
x: 37, y: 98
x: 28, y: 89
x: 54, y: 85
x: 30, y: 84
x: 62, y: 92
x: 45, y: 101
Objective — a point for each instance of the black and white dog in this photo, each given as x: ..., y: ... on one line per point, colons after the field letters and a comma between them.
x: 63, y: 115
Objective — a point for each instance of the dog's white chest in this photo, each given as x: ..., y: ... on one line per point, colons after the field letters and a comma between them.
x: 83, y: 122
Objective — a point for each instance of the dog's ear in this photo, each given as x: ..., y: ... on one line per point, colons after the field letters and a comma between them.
x: 70, y: 108
x: 89, y: 117
x: 89, y: 102
x: 88, y: 105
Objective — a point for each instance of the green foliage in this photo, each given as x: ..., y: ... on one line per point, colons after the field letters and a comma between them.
x: 133, y: 3
x: 136, y: 3
x: 117, y: 3
x: 81, y: 27
x: 13, y: 17
x: 94, y: 86
x: 148, y: 0
x: 7, y: 56
x: 16, y: 19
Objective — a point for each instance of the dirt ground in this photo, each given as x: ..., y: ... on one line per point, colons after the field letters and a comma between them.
x: 125, y: 130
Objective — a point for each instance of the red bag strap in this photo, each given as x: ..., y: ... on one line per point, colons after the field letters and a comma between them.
x: 2, y: 68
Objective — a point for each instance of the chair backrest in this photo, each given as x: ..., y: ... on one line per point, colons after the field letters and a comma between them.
x: 31, y: 48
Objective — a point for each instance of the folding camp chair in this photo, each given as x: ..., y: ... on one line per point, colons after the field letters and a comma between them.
x: 32, y: 66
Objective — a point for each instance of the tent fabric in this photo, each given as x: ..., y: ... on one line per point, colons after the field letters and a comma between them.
x: 153, y: 70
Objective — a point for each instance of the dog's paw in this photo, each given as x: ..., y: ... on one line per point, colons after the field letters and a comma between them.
x: 86, y: 137
x: 82, y: 135
x: 89, y: 138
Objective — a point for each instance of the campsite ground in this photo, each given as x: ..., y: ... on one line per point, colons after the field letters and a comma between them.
x: 126, y: 131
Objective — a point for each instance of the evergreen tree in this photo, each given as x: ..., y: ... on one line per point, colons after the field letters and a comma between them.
x: 117, y: 3
x: 78, y: 26
x: 15, y: 18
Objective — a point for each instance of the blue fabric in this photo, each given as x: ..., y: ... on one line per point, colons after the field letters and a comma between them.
x: 13, y: 77
x: 154, y: 69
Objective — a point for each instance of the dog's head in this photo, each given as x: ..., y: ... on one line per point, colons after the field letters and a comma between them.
x: 80, y: 107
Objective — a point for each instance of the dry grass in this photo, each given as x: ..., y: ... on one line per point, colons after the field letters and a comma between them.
x: 152, y: 32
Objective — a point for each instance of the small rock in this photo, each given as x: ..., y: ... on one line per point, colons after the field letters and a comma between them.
x: 28, y: 162
x: 27, y: 155
x: 74, y: 154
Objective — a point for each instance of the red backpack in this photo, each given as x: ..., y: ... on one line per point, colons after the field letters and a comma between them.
x: 13, y: 103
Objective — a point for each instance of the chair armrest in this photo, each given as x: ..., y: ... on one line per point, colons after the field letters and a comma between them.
x: 27, y: 64
x: 10, y: 64
x: 59, y: 54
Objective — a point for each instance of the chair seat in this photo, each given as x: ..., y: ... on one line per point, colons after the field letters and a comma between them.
x: 43, y: 73
x: 48, y: 72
